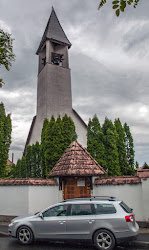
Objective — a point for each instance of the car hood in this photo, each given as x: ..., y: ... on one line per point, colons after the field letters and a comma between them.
x: 23, y: 217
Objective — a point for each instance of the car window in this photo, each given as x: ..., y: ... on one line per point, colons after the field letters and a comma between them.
x: 104, y: 209
x: 125, y: 207
x: 56, y: 211
x: 81, y: 209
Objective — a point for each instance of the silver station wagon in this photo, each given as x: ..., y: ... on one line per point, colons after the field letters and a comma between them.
x: 105, y: 221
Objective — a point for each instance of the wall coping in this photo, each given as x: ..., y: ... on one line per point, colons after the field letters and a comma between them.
x: 117, y: 180
x: 28, y: 182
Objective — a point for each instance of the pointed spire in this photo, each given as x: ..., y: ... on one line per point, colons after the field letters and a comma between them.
x: 54, y: 32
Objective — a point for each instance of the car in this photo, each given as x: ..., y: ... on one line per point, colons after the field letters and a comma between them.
x: 105, y: 221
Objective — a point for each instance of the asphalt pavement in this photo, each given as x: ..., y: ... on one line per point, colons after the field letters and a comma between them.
x: 141, y: 242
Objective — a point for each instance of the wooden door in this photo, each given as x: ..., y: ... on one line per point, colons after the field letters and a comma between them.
x: 76, y: 188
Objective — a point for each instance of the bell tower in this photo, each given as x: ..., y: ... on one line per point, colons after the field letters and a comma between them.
x: 54, y: 82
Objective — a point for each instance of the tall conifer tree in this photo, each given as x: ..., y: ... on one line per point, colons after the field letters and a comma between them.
x: 56, y: 137
x: 111, y: 152
x: 28, y: 157
x: 43, y: 146
x: 95, y: 145
x: 47, y: 145
x: 18, y: 169
x: 68, y: 131
x: 36, y: 160
x: 120, y: 142
x: 5, y: 139
x: 129, y: 150
x: 23, y: 168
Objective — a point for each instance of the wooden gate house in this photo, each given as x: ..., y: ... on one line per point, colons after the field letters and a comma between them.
x: 75, y: 170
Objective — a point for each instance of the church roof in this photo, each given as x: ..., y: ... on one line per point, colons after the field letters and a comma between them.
x: 54, y: 32
x: 76, y: 161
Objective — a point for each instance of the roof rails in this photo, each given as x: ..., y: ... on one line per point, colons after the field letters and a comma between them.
x: 109, y: 198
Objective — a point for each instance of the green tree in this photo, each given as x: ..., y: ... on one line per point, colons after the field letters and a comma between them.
x: 6, y: 51
x: 55, y: 138
x: 55, y: 147
x: 95, y: 145
x: 5, y: 139
x: 36, y: 161
x: 145, y: 166
x: 47, y: 146
x: 28, y: 158
x: 136, y: 165
x: 120, y: 5
x: 43, y: 146
x: 18, y: 169
x: 68, y: 131
x: 120, y: 142
x: 23, y: 168
x: 129, y: 150
x: 111, y: 152
x: 11, y: 171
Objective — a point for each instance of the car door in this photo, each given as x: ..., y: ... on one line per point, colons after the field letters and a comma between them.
x: 52, y: 223
x: 80, y: 221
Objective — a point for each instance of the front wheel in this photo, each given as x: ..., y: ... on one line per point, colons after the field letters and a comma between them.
x: 104, y: 240
x: 25, y: 235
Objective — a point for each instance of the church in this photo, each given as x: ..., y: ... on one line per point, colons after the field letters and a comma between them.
x: 54, y: 97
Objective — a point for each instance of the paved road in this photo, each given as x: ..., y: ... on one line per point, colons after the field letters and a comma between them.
x: 12, y: 244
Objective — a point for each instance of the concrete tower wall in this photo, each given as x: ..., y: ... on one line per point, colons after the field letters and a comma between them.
x: 54, y: 82
x: 53, y: 92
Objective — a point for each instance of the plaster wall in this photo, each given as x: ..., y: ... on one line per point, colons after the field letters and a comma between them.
x: 130, y: 194
x: 20, y: 200
x: 145, y: 198
x: 81, y: 130
x: 13, y: 200
x: 41, y: 197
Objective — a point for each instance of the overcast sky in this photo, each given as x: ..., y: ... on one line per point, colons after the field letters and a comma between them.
x: 109, y: 61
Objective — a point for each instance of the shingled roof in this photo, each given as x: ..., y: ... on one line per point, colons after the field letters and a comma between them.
x: 76, y: 161
x: 143, y: 173
x: 117, y: 180
x: 28, y: 182
x: 54, y: 32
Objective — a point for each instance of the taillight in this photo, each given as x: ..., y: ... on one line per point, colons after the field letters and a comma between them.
x: 130, y: 218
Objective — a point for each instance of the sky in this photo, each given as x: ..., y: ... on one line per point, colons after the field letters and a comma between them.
x: 109, y: 61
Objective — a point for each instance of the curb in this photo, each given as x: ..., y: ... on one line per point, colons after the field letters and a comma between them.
x: 142, y: 244
x: 3, y: 234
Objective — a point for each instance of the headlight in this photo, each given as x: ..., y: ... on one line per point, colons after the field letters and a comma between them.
x: 11, y: 224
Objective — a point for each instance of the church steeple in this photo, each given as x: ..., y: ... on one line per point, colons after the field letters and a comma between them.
x: 54, y: 44
x: 54, y: 32
x: 54, y: 82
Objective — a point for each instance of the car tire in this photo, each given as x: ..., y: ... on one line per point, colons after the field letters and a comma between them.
x: 25, y: 235
x: 104, y: 240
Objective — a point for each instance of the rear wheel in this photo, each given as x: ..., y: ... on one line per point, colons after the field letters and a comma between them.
x: 104, y: 240
x: 25, y: 235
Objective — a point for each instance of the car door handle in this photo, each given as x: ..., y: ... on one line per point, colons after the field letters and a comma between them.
x: 90, y: 221
x: 62, y: 222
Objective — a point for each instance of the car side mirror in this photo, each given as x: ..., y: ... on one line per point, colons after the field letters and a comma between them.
x: 40, y: 215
